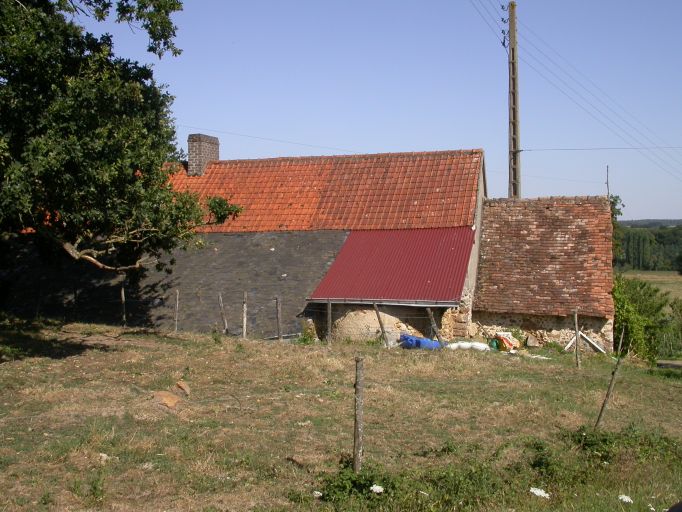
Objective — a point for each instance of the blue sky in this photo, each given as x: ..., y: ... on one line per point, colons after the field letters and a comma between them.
x: 402, y: 75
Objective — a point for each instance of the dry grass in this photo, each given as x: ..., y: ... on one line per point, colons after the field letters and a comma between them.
x: 266, y: 420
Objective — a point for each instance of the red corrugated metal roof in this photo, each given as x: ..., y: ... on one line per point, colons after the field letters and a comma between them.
x: 399, y: 266
x: 382, y: 191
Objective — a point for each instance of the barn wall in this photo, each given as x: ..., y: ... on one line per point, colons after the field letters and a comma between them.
x: 558, y: 329
x: 456, y: 322
x: 288, y: 264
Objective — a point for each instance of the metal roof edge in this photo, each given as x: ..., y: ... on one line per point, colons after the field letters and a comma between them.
x: 386, y: 302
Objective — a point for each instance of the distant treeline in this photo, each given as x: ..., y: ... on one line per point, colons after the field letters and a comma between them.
x: 650, y: 248
x: 650, y: 223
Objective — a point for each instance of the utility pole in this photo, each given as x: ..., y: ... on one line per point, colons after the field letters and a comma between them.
x: 608, y: 192
x: 514, y: 134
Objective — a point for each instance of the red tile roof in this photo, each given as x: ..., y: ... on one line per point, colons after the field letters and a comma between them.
x: 381, y: 191
x: 399, y: 266
x: 546, y: 256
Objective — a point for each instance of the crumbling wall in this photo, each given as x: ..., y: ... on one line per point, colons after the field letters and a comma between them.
x: 359, y: 322
x: 456, y: 322
x: 545, y: 328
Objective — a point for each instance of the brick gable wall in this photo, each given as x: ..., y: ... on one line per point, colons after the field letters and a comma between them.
x: 546, y: 256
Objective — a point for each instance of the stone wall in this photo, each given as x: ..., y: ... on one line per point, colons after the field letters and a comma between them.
x: 557, y: 329
x: 457, y: 322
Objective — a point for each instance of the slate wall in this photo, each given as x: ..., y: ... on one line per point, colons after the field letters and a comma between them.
x: 288, y: 264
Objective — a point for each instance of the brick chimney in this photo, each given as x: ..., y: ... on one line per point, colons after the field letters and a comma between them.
x: 201, y: 149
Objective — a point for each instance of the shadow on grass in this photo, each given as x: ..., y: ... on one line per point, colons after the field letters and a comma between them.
x: 24, y: 342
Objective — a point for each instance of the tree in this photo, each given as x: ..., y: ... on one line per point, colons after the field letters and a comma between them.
x: 641, y: 311
x: 617, y: 206
x: 85, y: 135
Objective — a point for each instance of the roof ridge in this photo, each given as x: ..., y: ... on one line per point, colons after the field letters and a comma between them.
x: 443, y: 152
x: 545, y: 198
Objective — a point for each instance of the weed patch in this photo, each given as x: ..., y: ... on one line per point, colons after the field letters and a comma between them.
x: 467, y: 478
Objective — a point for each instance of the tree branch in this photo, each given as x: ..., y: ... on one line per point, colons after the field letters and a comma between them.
x: 85, y: 256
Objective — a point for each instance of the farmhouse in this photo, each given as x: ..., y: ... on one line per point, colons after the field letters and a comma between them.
x: 404, y: 231
x: 404, y: 234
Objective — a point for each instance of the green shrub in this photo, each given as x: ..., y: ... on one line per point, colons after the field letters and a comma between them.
x: 641, y: 311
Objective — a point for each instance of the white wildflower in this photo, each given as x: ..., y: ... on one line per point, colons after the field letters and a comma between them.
x: 317, y: 494
x: 376, y: 489
x: 539, y: 492
x: 625, y: 499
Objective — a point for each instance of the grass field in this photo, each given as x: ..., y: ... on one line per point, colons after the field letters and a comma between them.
x: 666, y: 281
x: 266, y: 425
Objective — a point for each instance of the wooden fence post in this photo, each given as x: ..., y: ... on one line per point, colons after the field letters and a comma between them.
x: 123, y: 303
x: 358, y: 448
x: 329, y: 321
x: 381, y: 324
x: 177, y: 307
x: 577, y: 340
x: 278, y: 305
x: 222, y: 312
x: 434, y: 326
x: 244, y: 316
x: 612, y: 383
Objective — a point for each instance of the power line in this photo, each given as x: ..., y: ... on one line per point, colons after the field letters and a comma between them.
x: 591, y: 82
x: 674, y: 160
x: 649, y: 148
x: 492, y: 16
x: 281, y: 141
x: 487, y: 22
x: 591, y: 114
x: 551, y: 178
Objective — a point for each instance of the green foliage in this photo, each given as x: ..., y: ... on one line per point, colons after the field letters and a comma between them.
x: 346, y: 484
x: 220, y: 209
x: 216, y: 334
x: 468, y: 480
x: 607, y: 446
x: 641, y: 311
x: 306, y: 338
x: 648, y: 246
x: 154, y: 16
x: 671, y: 345
x: 617, y: 239
x: 651, y: 248
x: 84, y: 136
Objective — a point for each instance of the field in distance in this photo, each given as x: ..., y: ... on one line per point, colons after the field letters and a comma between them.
x: 667, y: 281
